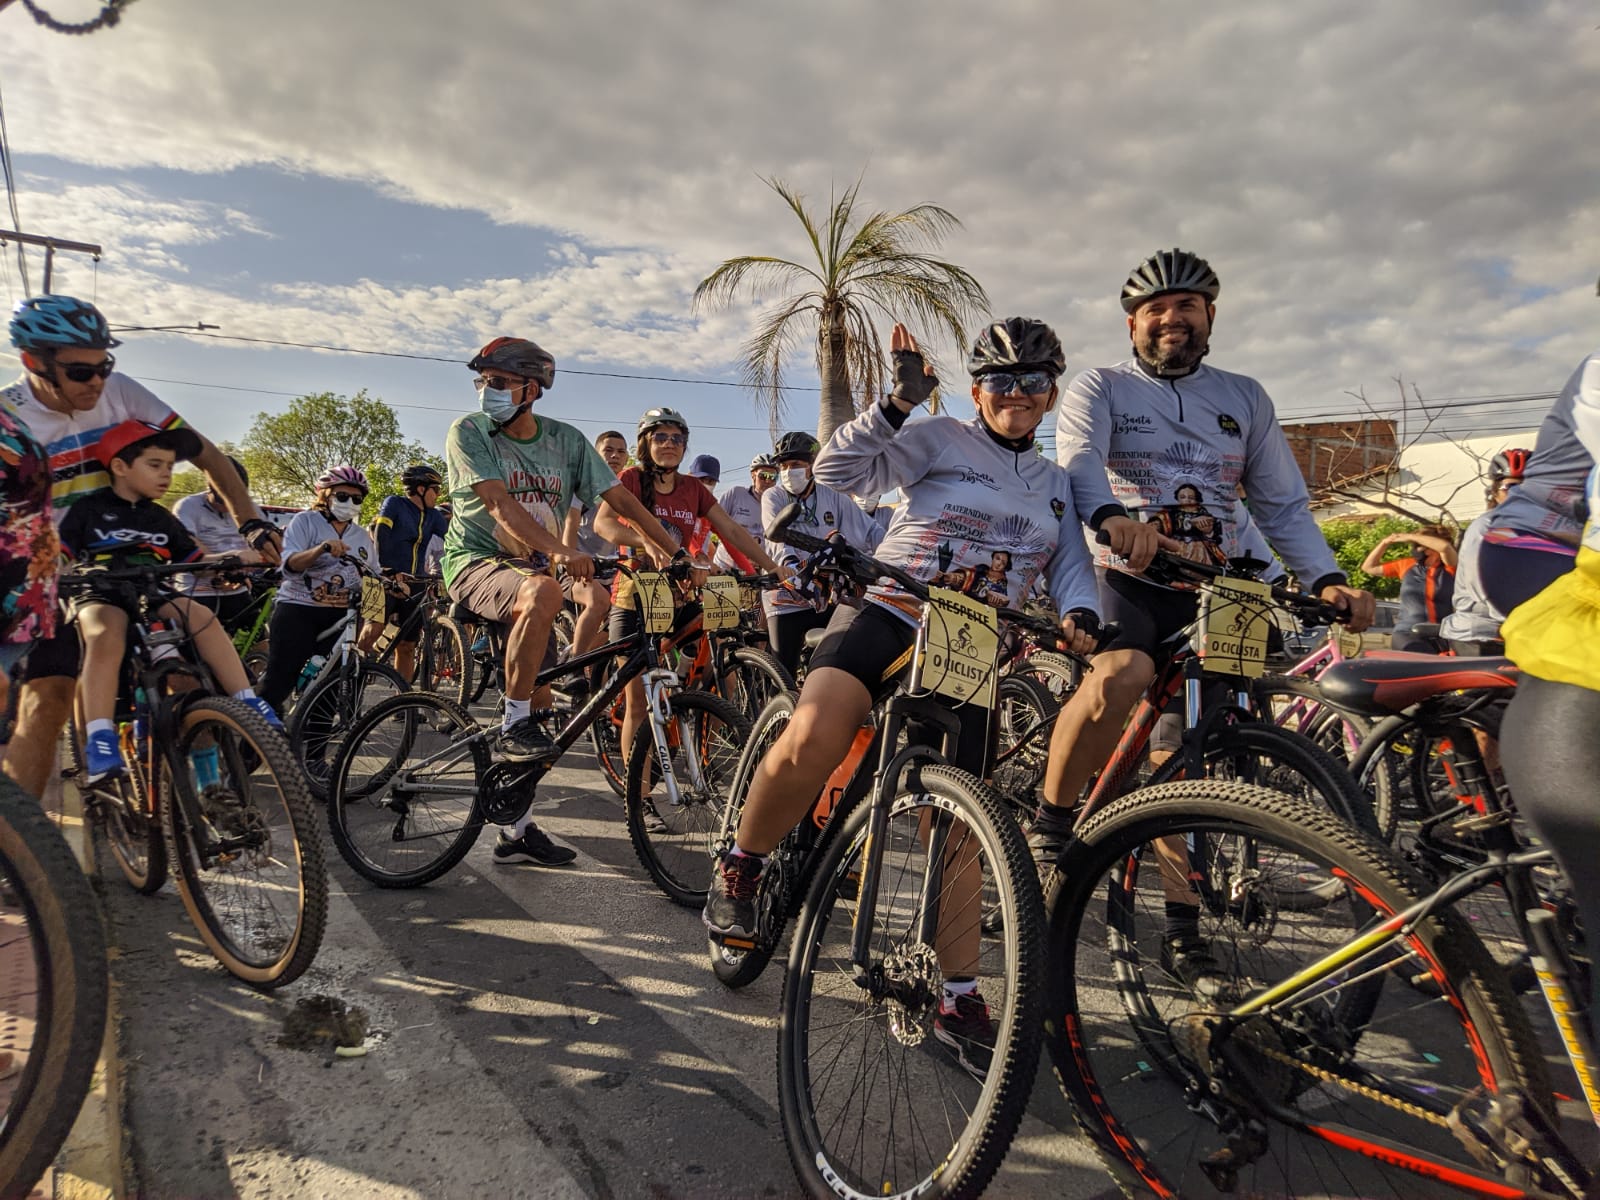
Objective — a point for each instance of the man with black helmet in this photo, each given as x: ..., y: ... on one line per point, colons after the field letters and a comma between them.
x: 70, y: 395
x: 407, y: 524
x: 1151, y: 432
x: 513, y: 477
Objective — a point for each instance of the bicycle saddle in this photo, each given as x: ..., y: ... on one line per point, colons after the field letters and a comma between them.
x: 1379, y: 686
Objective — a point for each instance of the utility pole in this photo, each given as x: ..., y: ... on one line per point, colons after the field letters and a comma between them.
x: 51, y: 245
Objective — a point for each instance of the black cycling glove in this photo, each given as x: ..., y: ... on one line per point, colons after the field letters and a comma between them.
x: 912, y: 384
x: 1085, y: 621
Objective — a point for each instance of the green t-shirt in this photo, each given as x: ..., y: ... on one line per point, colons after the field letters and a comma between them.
x: 543, y: 474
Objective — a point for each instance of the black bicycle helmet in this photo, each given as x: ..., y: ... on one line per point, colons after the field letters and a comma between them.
x: 517, y: 356
x: 1017, y: 344
x: 663, y: 416
x: 796, y: 444
x: 1169, y: 271
x: 420, y: 475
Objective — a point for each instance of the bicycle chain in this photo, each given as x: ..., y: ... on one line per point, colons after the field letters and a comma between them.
x: 110, y: 14
x: 1359, y: 1089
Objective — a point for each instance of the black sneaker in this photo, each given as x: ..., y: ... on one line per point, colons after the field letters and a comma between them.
x: 730, y: 910
x: 1191, y: 963
x: 574, y: 687
x: 967, y: 1033
x: 534, y: 846
x: 1050, y: 835
x: 526, y: 742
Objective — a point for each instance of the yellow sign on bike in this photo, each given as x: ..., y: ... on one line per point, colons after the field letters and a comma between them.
x: 720, y: 602
x: 963, y: 647
x: 373, y: 607
x: 1234, y: 618
x: 655, y: 601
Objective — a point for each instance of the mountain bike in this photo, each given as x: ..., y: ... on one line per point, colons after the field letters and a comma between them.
x: 344, y: 685
x: 1366, y: 1047
x: 415, y: 782
x: 53, y: 987
x: 897, y: 882
x: 211, y: 792
x: 443, y: 659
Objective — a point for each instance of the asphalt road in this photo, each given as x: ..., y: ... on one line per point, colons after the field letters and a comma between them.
x: 532, y: 1032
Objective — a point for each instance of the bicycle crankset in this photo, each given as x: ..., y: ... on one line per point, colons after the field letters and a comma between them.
x: 507, y: 791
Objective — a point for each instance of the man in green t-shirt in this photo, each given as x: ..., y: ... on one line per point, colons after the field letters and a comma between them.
x: 512, y: 478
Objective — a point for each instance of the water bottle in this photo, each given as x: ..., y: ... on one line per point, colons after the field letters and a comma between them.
x: 309, y: 672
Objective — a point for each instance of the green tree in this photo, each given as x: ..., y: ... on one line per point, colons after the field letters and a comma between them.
x: 286, y: 452
x: 857, y: 271
x: 1351, y: 541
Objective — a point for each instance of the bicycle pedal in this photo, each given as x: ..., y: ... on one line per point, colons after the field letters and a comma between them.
x: 734, y: 943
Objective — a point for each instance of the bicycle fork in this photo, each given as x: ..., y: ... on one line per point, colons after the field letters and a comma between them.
x: 658, y: 687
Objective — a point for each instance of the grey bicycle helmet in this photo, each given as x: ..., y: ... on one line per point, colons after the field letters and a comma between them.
x: 663, y: 416
x: 1169, y: 271
x: 1017, y: 343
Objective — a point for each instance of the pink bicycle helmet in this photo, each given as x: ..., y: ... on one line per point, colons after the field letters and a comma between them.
x: 342, y: 475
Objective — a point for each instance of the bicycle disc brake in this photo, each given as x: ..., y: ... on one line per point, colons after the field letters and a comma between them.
x: 507, y: 791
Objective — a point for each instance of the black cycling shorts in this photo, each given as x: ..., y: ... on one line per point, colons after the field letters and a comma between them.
x: 1146, y: 615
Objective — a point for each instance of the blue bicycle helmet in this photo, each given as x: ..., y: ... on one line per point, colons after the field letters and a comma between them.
x: 59, y: 323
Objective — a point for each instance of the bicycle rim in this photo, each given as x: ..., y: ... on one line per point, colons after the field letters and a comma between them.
x: 674, y: 842
x: 53, y: 985
x: 404, y: 805
x: 1375, y: 1058
x: 1023, y: 706
x: 447, y: 665
x: 324, y: 717
x: 252, y: 874
x: 872, y: 1094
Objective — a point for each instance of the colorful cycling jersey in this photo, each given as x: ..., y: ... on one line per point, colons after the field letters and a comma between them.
x: 403, y: 530
x: 976, y: 515
x: 1176, y: 450
x: 327, y: 582
x: 678, y: 511
x: 822, y: 511
x: 1546, y: 501
x: 102, y: 527
x: 1556, y: 635
x: 29, y: 545
x: 71, y: 438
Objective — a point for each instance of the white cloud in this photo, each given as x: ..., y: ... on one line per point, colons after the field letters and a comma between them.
x: 1384, y: 189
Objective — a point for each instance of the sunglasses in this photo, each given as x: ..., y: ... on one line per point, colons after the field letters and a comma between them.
x: 1029, y: 383
x: 766, y: 477
x: 670, y: 439
x: 500, y: 383
x: 84, y: 372
x: 348, y: 497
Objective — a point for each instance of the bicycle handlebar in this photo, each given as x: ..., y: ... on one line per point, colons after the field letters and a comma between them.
x: 86, y: 575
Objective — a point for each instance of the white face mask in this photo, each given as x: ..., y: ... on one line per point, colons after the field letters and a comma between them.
x: 794, y: 479
x: 344, y: 510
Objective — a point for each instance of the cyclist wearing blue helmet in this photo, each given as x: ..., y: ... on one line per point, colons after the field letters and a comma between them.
x: 69, y: 396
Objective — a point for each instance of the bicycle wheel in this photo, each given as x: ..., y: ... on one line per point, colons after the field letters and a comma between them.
x: 605, y: 735
x: 1330, y: 1092
x: 1023, y: 710
x: 1266, y: 755
x: 872, y: 1094
x: 322, y: 719
x: 1059, y: 674
x: 52, y: 989
x: 674, y: 842
x: 754, y: 677
x: 446, y: 664
x: 405, y: 787
x: 1293, y: 702
x: 733, y: 967
x: 255, y: 665
x: 125, y: 811
x: 252, y: 874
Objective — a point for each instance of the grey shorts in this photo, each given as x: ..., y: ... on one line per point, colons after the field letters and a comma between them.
x: 489, y: 586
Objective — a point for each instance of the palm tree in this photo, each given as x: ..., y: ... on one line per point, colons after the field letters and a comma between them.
x: 877, y: 268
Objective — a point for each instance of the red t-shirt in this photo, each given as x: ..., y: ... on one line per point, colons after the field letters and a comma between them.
x: 679, y: 510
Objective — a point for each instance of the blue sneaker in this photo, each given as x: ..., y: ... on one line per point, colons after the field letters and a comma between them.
x: 268, y: 713
x: 103, y: 757
x: 481, y: 646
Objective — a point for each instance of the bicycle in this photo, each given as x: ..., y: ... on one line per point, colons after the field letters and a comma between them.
x: 909, y: 857
x: 53, y: 990
x: 414, y: 784
x: 243, y: 846
x: 1367, y: 1047
x: 345, y: 684
x: 250, y: 628
x: 443, y: 659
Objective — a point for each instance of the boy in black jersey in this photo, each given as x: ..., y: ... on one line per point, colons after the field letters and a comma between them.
x: 122, y: 525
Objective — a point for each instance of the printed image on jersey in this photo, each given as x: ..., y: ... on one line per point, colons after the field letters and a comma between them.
x: 993, y: 560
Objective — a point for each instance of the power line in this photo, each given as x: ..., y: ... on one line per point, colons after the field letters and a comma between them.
x: 11, y: 196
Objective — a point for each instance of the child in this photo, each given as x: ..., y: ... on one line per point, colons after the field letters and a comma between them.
x: 123, y: 525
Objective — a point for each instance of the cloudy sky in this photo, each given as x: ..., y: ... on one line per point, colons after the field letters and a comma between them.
x: 1405, y: 188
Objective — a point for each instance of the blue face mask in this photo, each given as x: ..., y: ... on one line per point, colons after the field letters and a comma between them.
x: 498, y: 403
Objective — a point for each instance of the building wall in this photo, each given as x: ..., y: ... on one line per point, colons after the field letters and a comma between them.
x: 1445, y: 472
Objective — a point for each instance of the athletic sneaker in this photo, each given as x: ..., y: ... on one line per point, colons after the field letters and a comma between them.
x: 479, y: 646
x: 1189, y: 960
x: 1050, y: 834
x: 534, y: 846
x: 526, y: 742
x: 268, y: 713
x: 730, y: 909
x: 103, y: 756
x: 967, y: 1033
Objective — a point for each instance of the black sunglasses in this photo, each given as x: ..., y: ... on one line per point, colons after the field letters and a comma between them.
x: 350, y: 497
x: 84, y: 372
x: 1029, y: 383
